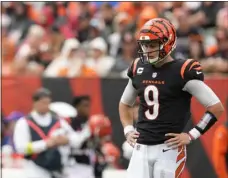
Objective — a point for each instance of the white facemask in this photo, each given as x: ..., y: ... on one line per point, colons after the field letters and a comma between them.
x: 150, y: 60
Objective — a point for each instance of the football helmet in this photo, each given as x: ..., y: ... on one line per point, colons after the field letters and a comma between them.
x: 100, y: 125
x: 111, y: 153
x: 156, y: 40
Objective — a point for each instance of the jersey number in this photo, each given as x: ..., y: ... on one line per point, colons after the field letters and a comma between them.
x: 149, y: 102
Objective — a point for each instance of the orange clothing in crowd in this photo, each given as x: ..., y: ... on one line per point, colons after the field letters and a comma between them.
x: 220, y: 151
x: 85, y: 72
x: 88, y: 72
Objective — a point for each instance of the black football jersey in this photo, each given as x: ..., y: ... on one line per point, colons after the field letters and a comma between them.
x: 164, y: 106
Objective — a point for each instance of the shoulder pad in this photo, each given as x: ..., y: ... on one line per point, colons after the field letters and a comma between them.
x: 191, y: 69
x: 132, y: 69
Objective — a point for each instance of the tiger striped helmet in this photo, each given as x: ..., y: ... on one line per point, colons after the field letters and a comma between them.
x: 160, y: 31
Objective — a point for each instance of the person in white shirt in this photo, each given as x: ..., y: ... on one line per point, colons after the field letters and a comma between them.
x: 99, y: 61
x: 45, y: 140
x: 69, y: 63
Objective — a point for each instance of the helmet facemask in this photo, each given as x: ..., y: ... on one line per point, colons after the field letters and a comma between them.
x: 150, y: 50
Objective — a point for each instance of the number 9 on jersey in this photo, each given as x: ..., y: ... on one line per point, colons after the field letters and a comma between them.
x: 151, y: 102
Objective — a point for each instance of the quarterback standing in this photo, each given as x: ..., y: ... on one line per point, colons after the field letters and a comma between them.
x: 165, y: 87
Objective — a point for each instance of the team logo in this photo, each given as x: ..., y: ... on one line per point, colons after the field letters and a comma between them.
x: 154, y: 75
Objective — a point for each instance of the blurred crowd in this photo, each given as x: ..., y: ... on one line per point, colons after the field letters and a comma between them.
x: 97, y: 39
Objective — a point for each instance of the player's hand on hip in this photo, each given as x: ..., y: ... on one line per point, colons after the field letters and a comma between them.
x: 132, y: 137
x: 177, y: 140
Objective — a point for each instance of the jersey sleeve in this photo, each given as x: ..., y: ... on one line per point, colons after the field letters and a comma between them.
x: 132, y: 69
x: 191, y: 70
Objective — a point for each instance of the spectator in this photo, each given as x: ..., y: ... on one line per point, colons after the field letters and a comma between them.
x: 205, y: 15
x: 54, y: 43
x: 128, y: 53
x: 126, y: 7
x: 95, y: 29
x: 147, y: 13
x: 68, y: 63
x: 191, y: 6
x: 220, y: 149
x: 133, y: 9
x: 83, y: 27
x: 196, y: 47
x: 222, y: 17
x: 28, y: 59
x: 78, y: 17
x: 218, y: 61
x: 186, y: 36
x: 98, y: 60
x: 222, y: 41
x: 8, y: 48
x: 20, y: 23
x: 121, y: 22
x: 46, y: 16
x: 106, y: 16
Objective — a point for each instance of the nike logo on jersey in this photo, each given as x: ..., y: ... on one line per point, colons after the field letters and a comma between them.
x: 198, y: 72
x: 164, y: 150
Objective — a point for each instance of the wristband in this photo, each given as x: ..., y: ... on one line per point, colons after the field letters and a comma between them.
x: 194, y: 134
x: 206, y: 122
x: 128, y: 129
x: 29, y: 149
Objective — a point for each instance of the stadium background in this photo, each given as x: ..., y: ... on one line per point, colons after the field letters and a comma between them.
x: 203, y: 35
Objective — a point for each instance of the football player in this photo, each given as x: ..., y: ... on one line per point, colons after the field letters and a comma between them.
x: 101, y: 129
x: 165, y: 87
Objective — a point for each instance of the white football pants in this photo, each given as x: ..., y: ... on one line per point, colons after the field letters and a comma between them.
x: 156, y: 161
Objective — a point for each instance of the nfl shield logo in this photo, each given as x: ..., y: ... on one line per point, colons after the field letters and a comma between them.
x: 154, y: 74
